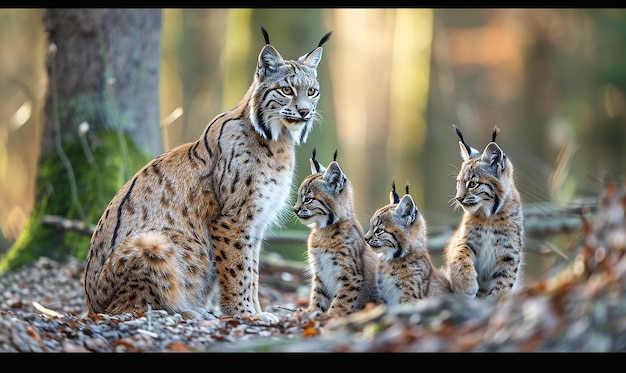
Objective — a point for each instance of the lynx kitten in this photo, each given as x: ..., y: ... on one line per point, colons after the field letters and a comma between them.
x: 341, y: 264
x: 484, y: 256
x: 406, y: 273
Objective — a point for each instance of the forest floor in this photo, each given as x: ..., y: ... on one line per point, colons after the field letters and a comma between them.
x: 580, y: 308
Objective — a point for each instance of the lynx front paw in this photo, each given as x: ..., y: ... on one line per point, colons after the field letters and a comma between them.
x: 196, y: 314
x: 467, y: 291
x: 266, y: 317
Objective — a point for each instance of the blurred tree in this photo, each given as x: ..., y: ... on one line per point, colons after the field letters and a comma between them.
x: 22, y: 74
x: 379, y: 65
x: 101, y: 121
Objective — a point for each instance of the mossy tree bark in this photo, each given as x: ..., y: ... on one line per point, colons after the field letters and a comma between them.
x: 101, y: 121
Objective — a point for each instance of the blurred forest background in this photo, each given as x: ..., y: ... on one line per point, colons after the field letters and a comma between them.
x: 393, y: 83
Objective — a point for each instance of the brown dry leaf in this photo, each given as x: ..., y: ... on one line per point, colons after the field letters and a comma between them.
x: 537, y: 288
x: 447, y: 328
x: 311, y: 323
x: 219, y: 337
x: 72, y: 347
x: 125, y: 343
x: 177, y: 347
x: 532, y: 343
x: 32, y: 333
x: 238, y: 333
x: 96, y: 317
x: 229, y: 320
x: 468, y: 340
x: 310, y: 332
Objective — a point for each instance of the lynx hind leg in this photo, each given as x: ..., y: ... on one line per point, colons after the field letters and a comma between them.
x: 150, y: 268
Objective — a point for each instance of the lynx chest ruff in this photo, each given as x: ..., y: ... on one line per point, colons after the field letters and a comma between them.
x: 325, y: 265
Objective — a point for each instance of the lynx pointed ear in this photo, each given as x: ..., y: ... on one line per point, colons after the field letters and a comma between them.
x: 314, y: 166
x: 334, y: 176
x: 494, y: 156
x: 464, y: 152
x: 406, y: 210
x: 269, y: 60
x: 312, y: 59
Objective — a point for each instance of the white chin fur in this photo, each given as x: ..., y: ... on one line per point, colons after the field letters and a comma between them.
x: 295, y: 130
x: 277, y: 126
x: 386, y: 255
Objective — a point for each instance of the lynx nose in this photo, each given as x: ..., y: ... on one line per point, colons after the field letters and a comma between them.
x: 303, y: 112
x: 459, y: 199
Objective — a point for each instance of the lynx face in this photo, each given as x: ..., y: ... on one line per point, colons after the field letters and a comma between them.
x: 484, y: 181
x: 287, y: 95
x: 396, y: 228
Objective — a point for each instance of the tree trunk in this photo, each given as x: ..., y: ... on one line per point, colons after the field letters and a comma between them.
x: 101, y: 121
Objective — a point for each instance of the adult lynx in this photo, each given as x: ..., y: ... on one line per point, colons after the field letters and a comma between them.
x: 484, y: 256
x: 341, y: 264
x: 189, y: 225
x: 406, y: 272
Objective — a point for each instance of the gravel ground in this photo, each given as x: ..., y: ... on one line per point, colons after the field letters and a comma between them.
x: 42, y: 310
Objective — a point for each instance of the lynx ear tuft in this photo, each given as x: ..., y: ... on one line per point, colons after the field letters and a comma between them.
x: 313, y: 58
x: 324, y: 38
x: 496, y: 131
x: 316, y: 167
x: 393, y: 195
x: 467, y: 151
x: 265, y: 35
x: 467, y: 147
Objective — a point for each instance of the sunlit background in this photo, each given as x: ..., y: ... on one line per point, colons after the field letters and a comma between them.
x: 393, y: 83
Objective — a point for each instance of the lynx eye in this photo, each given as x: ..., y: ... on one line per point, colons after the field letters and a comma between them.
x: 286, y: 90
x: 378, y: 231
x: 311, y: 91
x: 472, y: 184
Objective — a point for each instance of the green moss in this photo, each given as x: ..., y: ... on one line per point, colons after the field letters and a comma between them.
x: 96, y: 184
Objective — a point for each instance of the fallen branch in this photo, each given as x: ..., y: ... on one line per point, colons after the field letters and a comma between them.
x: 541, y: 220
